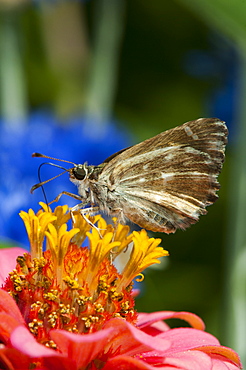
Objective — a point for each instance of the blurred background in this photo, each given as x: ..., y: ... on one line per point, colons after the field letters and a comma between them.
x: 80, y: 80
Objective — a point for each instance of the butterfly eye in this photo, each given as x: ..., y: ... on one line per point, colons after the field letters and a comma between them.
x: 79, y: 173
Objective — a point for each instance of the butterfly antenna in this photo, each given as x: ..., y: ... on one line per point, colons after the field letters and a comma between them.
x: 39, y: 155
x: 43, y: 191
x: 41, y: 183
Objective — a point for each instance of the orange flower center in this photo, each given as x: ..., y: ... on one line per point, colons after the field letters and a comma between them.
x: 76, y: 307
x: 76, y: 288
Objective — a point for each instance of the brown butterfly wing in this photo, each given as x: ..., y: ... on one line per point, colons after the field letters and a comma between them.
x: 166, y: 182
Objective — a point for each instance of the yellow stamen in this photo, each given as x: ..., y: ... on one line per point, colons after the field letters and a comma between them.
x: 145, y: 252
x: 36, y: 227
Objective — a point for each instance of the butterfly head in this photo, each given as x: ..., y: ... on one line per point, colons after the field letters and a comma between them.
x: 80, y: 175
x: 79, y: 172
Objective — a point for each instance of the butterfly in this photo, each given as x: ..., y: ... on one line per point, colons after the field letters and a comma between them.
x: 162, y: 184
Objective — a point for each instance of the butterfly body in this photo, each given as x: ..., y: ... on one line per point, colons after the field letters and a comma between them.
x: 161, y: 184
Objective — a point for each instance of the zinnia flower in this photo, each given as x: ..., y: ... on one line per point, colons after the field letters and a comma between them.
x: 69, y: 308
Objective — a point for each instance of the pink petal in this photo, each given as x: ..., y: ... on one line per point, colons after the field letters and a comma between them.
x: 7, y: 325
x: 9, y: 306
x: 146, y: 319
x: 219, y: 365
x: 129, y: 340
x: 8, y: 261
x: 183, y: 339
x: 194, y: 360
x: 12, y: 359
x: 58, y: 363
x: 22, y: 340
x: 153, y: 329
x: 135, y: 292
x: 221, y: 353
x: 82, y: 349
x: 118, y: 336
x: 126, y: 362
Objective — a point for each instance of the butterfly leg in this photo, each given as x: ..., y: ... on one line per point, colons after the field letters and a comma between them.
x: 90, y: 210
x: 75, y: 196
x: 78, y: 208
x: 116, y: 224
x: 83, y: 213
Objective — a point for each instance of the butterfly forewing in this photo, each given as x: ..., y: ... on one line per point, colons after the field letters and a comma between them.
x: 165, y: 182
